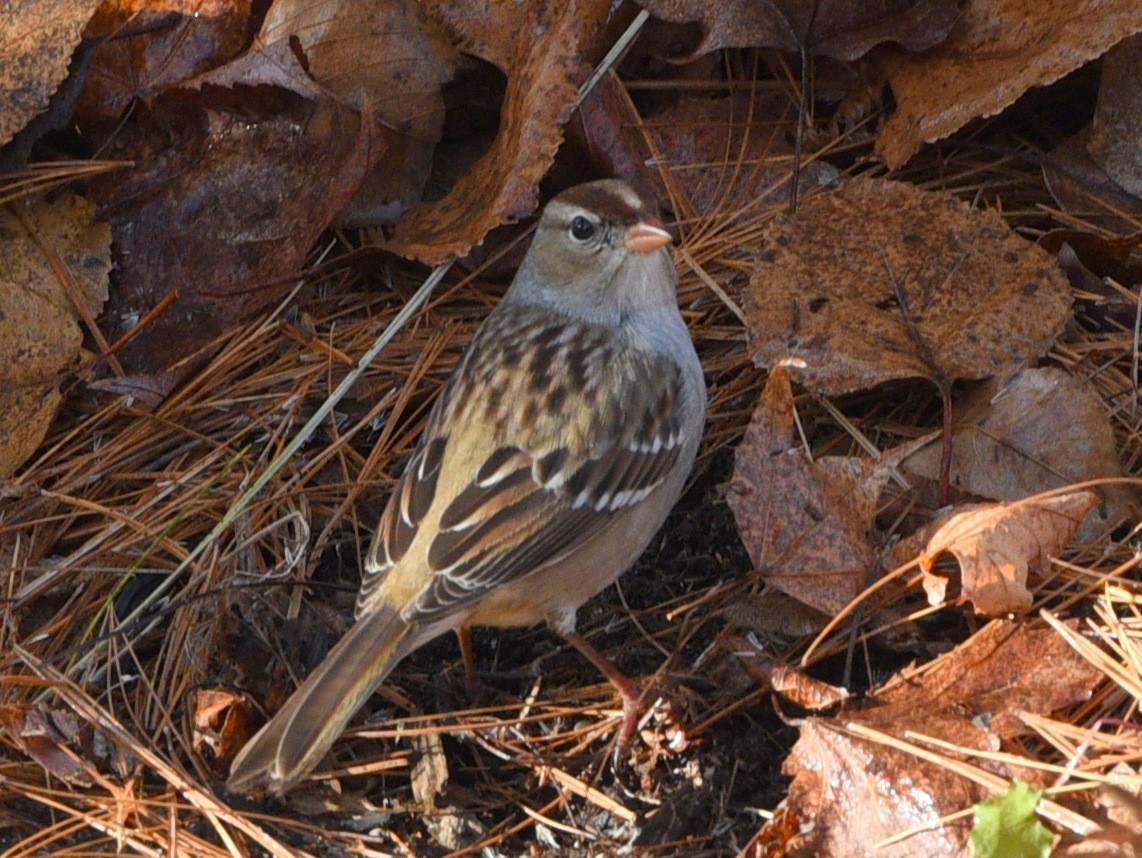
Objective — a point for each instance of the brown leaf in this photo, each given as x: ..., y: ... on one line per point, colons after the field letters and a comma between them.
x: 999, y: 50
x: 1080, y: 186
x: 219, y: 209
x: 741, y: 142
x: 804, y: 523
x: 152, y: 46
x: 846, y: 31
x: 45, y: 736
x: 1116, y: 130
x: 40, y: 335
x: 881, y: 280
x: 997, y: 544
x: 1042, y: 430
x: 223, y: 722
x: 42, y: 34
x: 788, y: 681
x: 541, y: 57
x: 429, y: 773
x: 386, y: 53
x: 853, y: 792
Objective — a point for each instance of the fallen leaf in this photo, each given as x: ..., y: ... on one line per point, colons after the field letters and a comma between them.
x: 1103, y: 256
x: 46, y: 737
x: 429, y: 773
x: 882, y: 280
x: 1081, y: 187
x: 148, y: 47
x: 40, y: 335
x: 846, y: 31
x: 717, y: 152
x: 223, y: 721
x: 1120, y: 818
x: 997, y: 51
x: 998, y: 544
x: 804, y: 523
x: 851, y: 793
x: 1041, y: 430
x: 42, y: 34
x: 788, y: 681
x: 538, y: 46
x: 1116, y: 130
x: 219, y: 210
x: 385, y: 53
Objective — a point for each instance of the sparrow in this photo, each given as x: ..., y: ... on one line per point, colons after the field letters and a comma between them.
x: 548, y: 463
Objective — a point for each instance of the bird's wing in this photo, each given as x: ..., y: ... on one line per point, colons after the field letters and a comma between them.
x: 569, y: 449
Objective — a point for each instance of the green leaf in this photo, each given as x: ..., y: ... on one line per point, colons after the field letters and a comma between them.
x: 1006, y: 825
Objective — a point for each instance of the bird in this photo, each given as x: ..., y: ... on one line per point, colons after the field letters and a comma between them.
x: 549, y: 461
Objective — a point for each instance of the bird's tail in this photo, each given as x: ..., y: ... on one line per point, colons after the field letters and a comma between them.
x: 293, y: 742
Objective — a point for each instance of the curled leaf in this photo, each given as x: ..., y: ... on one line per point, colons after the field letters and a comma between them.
x: 997, y: 544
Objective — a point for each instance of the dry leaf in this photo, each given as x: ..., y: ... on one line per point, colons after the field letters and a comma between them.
x: 151, y: 46
x: 384, y: 53
x: 997, y: 51
x: 851, y: 793
x: 742, y: 144
x: 429, y: 773
x: 45, y: 736
x: 881, y: 280
x: 223, y: 722
x: 40, y: 335
x: 220, y: 210
x: 1082, y: 187
x: 541, y: 56
x: 788, y: 681
x: 846, y: 31
x: 42, y: 34
x: 804, y: 523
x: 1116, y: 130
x: 998, y: 544
x: 1042, y: 430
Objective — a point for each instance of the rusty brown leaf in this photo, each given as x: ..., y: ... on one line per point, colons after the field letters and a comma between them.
x: 998, y: 544
x: 219, y: 211
x: 844, y: 30
x: 804, y: 523
x: 223, y: 721
x: 881, y: 280
x: 790, y: 682
x: 1041, y: 430
x: 53, y: 255
x: 538, y: 46
x: 998, y: 51
x: 42, y: 34
x: 853, y: 793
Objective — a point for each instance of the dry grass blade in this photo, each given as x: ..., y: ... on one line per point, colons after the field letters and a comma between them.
x: 215, y: 811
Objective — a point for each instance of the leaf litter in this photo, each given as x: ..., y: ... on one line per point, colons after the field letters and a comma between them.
x: 148, y: 451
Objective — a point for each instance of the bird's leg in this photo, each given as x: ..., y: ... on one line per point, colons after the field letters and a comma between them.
x: 464, y: 636
x: 628, y: 690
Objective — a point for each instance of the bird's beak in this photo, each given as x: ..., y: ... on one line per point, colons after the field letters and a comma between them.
x: 647, y: 236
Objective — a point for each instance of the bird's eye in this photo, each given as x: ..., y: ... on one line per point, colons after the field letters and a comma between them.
x: 581, y: 228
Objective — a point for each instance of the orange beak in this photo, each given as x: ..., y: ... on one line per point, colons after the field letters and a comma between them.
x: 647, y: 236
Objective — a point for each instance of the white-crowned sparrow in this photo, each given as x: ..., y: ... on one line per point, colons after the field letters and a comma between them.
x: 549, y: 462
